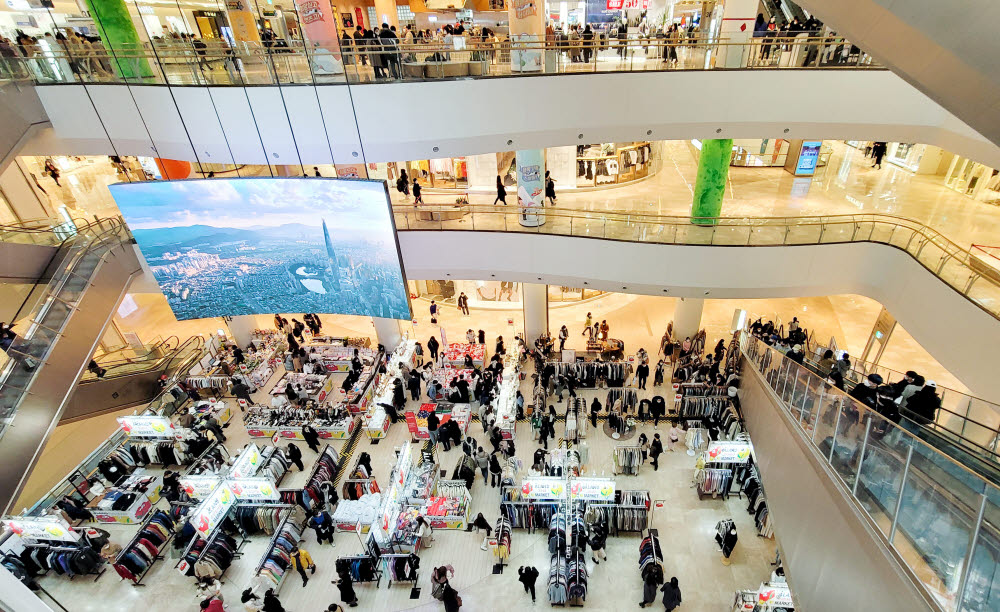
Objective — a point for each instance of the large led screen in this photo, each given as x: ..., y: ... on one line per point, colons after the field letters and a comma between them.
x: 265, y: 245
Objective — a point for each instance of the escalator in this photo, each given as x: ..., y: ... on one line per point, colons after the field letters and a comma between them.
x: 56, y: 337
x: 128, y: 382
x: 869, y: 514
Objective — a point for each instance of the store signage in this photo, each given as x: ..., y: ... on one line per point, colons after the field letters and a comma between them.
x: 147, y: 426
x: 593, y: 489
x: 247, y: 463
x: 729, y: 452
x: 808, y: 157
x: 543, y: 488
x: 631, y: 4
x: 774, y: 596
x: 254, y: 488
x: 42, y: 528
x: 199, y: 486
x: 615, y: 5
x: 403, y: 465
x: 213, y: 510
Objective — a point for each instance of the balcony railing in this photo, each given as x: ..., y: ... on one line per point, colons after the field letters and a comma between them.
x: 177, y: 62
x: 942, y: 519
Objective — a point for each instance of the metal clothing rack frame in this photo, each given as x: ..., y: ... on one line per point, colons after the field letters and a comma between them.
x: 204, y: 454
x: 270, y: 547
x: 628, y: 447
x: 42, y: 545
x: 125, y: 549
x: 376, y: 569
x: 385, y: 559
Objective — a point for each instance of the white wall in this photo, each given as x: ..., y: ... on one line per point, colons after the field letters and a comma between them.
x: 960, y: 335
x: 820, y: 104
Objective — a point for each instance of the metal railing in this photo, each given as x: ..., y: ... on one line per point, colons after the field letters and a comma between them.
x: 150, y: 359
x: 941, y: 518
x: 948, y: 261
x: 176, y: 62
x: 46, y: 231
x: 49, y: 315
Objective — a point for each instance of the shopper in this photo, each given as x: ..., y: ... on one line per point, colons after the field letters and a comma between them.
x: 671, y: 595
x: 878, y: 151
x: 242, y: 392
x: 463, y: 303
x: 482, y: 462
x: 434, y: 319
x: 52, y: 170
x: 587, y: 324
x: 451, y: 600
x: 96, y: 369
x: 212, y: 424
x: 673, y: 435
x: 322, y: 524
x: 658, y: 373
x: 550, y: 189
x: 643, y: 446
x: 655, y: 450
x: 295, y: 456
x: 595, y: 410
x: 439, y: 580
x: 417, y: 199
x: 501, y: 192
x: 432, y: 427
x: 543, y: 433
x: 271, y: 602
x: 720, y: 351
x: 346, y: 587
x: 527, y: 576
x: 311, y: 437
x: 301, y: 560
x: 495, y: 469
x: 598, y: 538
x: 641, y: 374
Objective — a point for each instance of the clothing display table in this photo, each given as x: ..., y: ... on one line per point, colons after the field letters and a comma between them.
x: 287, y: 422
x: 446, y: 411
x: 129, y: 502
x: 316, y: 387
x: 454, y: 354
x: 222, y: 411
x: 337, y: 358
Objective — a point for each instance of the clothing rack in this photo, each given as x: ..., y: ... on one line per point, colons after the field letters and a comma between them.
x: 629, y: 398
x: 702, y: 407
x: 99, y: 563
x: 651, y: 558
x: 627, y: 460
x: 529, y: 515
x: 287, y: 533
x: 157, y: 515
x: 714, y: 482
x: 629, y: 513
x: 503, y: 535
x: 725, y: 536
x: 360, y: 572
x: 401, y: 567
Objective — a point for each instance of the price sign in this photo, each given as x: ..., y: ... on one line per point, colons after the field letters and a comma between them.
x: 729, y: 452
x: 543, y: 488
x: 254, y: 488
x: 199, y: 486
x: 247, y: 463
x: 42, y: 528
x: 594, y: 489
x: 213, y: 510
x: 148, y: 426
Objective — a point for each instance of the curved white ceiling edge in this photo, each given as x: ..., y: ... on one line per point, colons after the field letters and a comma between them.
x: 424, y: 120
x: 960, y: 335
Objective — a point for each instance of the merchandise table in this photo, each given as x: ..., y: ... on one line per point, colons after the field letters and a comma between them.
x: 316, y: 386
x: 454, y: 354
x: 264, y: 422
x: 361, y: 394
x: 448, y: 507
x: 222, y: 411
x: 354, y: 515
x: 446, y: 411
x: 447, y: 374
x: 337, y: 358
x: 506, y: 401
x: 145, y: 488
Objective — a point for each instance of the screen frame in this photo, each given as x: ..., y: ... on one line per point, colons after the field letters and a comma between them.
x: 388, y: 203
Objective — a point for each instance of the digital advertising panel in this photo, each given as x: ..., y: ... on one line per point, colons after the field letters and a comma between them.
x: 228, y: 247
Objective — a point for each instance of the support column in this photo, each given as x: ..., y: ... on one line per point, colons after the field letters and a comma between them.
x: 527, y: 25
x: 385, y: 12
x: 710, y: 186
x: 241, y: 329
x: 25, y: 200
x: 535, y: 301
x: 120, y: 38
x: 531, y: 187
x: 319, y: 30
x: 243, y: 23
x: 388, y: 332
x: 687, y: 318
x: 738, y: 19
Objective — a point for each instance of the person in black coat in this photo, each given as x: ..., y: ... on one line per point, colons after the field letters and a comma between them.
x: 641, y: 374
x: 528, y: 576
x: 311, y: 437
x: 432, y: 347
x: 671, y: 595
x: 414, y: 385
x: 501, y: 192
x: 322, y: 524
x: 295, y: 456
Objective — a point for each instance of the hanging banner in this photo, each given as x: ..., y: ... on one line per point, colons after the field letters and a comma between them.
x: 774, y: 596
x: 213, y: 510
x: 592, y: 489
x: 729, y: 452
x: 247, y: 463
x: 242, y: 21
x: 543, y: 488
x: 254, y: 489
x: 531, y: 186
x: 42, y: 528
x: 147, y: 426
x: 199, y: 486
x: 320, y: 28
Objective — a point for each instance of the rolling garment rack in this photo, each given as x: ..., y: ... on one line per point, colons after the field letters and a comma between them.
x: 501, y: 550
x: 628, y: 514
x: 627, y: 460
x: 651, y: 557
x: 401, y: 568
x: 137, y: 580
x: 576, y: 562
x: 726, y: 537
x: 293, y: 535
x: 62, y: 547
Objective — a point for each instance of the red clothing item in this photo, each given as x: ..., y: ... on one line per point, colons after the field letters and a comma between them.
x: 215, y: 606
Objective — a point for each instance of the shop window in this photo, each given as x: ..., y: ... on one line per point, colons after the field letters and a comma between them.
x: 610, y: 163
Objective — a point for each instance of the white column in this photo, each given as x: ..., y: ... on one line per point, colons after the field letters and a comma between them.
x: 687, y: 317
x: 561, y: 163
x: 738, y: 19
x: 536, y: 311
x: 388, y: 332
x: 25, y: 199
x: 482, y: 171
x: 241, y: 329
x: 15, y: 597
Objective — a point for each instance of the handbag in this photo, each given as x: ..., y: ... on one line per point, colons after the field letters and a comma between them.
x: 438, y: 591
x: 458, y: 600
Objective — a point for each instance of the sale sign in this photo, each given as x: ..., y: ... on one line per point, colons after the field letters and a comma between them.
x: 213, y: 510
x: 199, y: 486
x: 543, y: 488
x: 729, y: 452
x: 594, y: 489
x: 774, y: 596
x: 254, y: 488
x: 42, y: 528
x: 247, y: 463
x: 147, y: 426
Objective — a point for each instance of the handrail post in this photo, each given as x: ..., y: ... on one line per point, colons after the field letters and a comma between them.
x: 899, y: 498
x: 861, y: 458
x: 973, y: 541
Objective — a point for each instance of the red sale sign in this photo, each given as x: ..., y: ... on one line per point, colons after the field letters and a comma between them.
x: 615, y: 5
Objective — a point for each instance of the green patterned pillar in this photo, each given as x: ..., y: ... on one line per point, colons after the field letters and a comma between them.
x: 120, y: 38
x: 710, y: 186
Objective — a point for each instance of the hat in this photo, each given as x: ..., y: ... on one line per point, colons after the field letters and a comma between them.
x: 875, y: 378
x: 797, y: 347
x: 931, y: 383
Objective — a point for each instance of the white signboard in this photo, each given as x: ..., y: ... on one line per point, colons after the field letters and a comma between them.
x: 199, y: 486
x: 543, y: 488
x: 147, y: 426
x: 247, y: 463
x: 42, y: 528
x: 728, y: 452
x: 594, y: 489
x: 254, y: 489
x: 774, y: 596
x: 213, y: 510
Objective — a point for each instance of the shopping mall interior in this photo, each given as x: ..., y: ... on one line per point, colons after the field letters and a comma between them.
x: 409, y: 305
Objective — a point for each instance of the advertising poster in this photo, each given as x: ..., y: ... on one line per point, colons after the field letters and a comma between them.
x: 543, y: 488
x: 808, y: 158
x: 593, y: 489
x: 147, y: 426
x: 728, y: 452
x: 212, y: 511
x: 319, y: 25
x: 526, y: 35
x: 774, y: 596
x: 42, y: 528
x: 199, y: 486
x: 247, y: 463
x: 254, y: 489
x: 531, y: 186
x: 242, y: 21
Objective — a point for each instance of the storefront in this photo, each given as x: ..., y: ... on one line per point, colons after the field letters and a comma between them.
x: 973, y: 179
x: 496, y: 294
x: 905, y: 155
